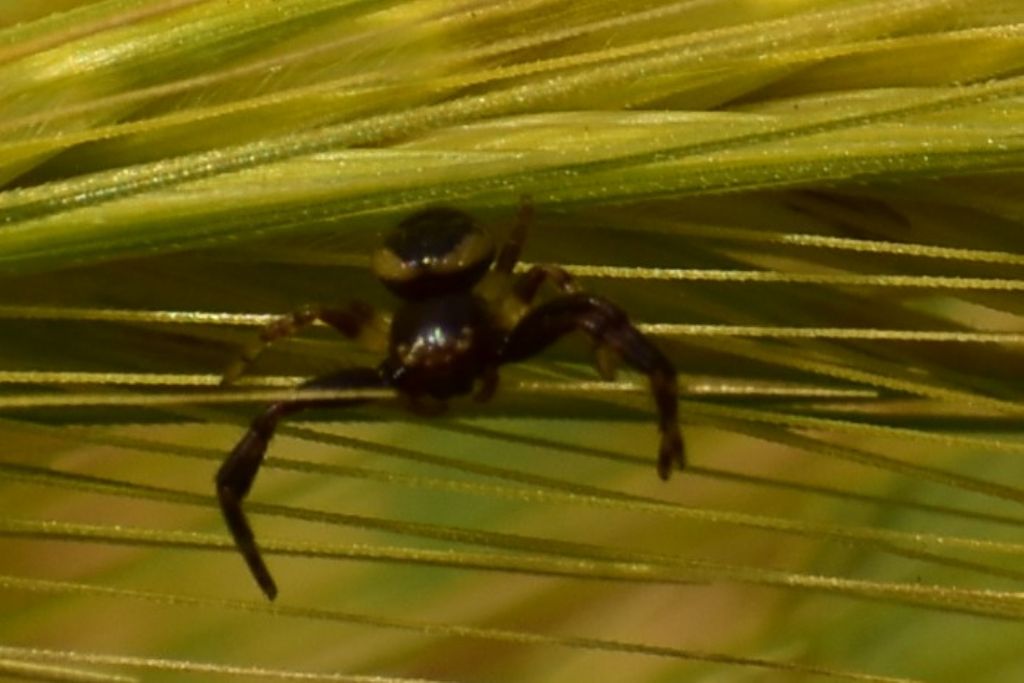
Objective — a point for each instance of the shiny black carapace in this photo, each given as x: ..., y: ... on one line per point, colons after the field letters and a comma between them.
x: 462, y: 315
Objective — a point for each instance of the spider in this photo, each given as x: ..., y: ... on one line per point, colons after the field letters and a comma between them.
x: 462, y: 314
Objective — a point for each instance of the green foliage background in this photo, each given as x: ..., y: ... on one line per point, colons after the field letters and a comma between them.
x: 814, y: 206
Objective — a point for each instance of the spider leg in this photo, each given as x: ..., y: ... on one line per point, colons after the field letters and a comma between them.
x: 508, y: 256
x: 239, y: 469
x: 525, y: 289
x: 608, y: 326
x: 356, y: 321
x: 526, y: 285
x: 529, y: 283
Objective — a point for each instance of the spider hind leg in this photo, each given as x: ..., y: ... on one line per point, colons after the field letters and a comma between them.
x: 357, y: 321
x: 508, y: 256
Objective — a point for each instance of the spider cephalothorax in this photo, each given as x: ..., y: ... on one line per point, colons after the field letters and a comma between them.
x: 449, y: 335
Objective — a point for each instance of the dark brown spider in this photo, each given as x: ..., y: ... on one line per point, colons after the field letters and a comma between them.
x: 462, y: 315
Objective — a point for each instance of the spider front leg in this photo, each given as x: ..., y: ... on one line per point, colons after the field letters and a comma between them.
x: 356, y: 321
x: 608, y: 326
x: 239, y: 470
x: 525, y: 290
x: 527, y: 285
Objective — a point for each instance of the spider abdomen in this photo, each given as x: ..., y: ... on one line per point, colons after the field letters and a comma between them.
x: 434, y: 252
x: 440, y: 346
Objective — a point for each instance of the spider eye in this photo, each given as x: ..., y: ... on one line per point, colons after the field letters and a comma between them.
x: 433, y: 252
